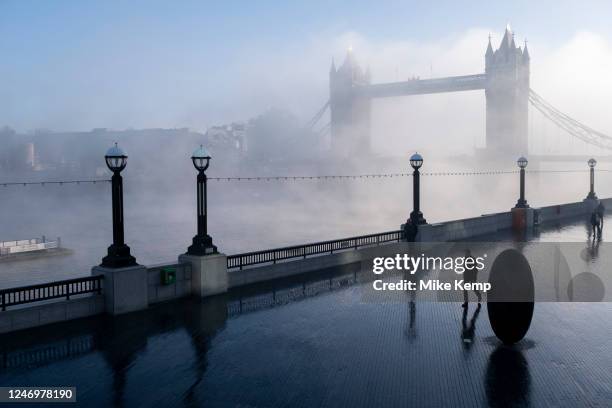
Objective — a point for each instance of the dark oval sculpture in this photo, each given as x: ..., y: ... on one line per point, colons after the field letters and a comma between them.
x: 510, y: 300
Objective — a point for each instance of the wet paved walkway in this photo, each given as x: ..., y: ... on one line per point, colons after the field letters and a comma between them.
x: 317, y: 343
x: 326, y: 350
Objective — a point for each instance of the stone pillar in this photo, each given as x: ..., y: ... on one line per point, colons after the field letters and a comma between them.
x: 522, y: 219
x: 208, y: 273
x: 125, y: 289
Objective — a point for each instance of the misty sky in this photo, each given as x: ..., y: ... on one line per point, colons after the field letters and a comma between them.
x: 75, y: 65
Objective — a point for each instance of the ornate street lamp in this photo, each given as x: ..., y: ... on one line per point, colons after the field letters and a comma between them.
x: 522, y: 163
x: 202, y: 242
x: 592, y: 196
x: 416, y: 216
x: 118, y: 253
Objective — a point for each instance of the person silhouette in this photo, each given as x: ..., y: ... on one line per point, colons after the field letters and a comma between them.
x: 600, y: 212
x: 470, y: 275
x: 411, y: 330
x: 468, y: 330
x: 595, y: 224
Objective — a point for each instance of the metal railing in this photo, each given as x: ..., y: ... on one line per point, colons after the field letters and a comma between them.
x: 52, y: 290
x: 318, y: 248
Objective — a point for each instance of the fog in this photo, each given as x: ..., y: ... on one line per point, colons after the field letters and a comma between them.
x: 244, y: 216
x: 250, y: 216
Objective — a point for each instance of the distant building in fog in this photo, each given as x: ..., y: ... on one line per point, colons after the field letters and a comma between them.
x: 30, y: 158
x: 230, y: 137
x: 63, y: 154
x: 17, y: 153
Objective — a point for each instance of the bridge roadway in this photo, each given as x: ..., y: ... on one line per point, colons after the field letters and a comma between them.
x: 423, y: 86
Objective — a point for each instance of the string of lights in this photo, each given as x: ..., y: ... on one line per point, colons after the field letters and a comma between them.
x: 387, y: 175
x: 52, y: 182
x: 355, y: 176
x: 313, y: 178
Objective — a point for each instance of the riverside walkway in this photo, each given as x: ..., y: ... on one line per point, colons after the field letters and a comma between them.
x: 312, y: 340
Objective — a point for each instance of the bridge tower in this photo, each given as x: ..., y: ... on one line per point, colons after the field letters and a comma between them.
x: 507, y: 95
x: 350, y: 112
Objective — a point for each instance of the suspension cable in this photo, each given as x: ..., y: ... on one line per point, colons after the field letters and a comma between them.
x: 568, y: 124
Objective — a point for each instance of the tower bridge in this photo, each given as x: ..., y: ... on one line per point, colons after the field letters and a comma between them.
x: 505, y: 80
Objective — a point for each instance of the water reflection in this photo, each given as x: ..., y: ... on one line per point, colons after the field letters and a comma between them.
x: 411, y: 329
x: 202, y: 324
x: 126, y: 337
x: 120, y: 341
x: 589, y: 230
x: 562, y: 275
x: 591, y: 252
x: 66, y: 348
x: 267, y: 295
x: 507, y: 378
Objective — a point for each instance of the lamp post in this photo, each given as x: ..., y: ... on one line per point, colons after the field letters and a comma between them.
x: 592, y: 196
x: 202, y: 242
x: 416, y: 216
x: 118, y: 253
x: 522, y: 163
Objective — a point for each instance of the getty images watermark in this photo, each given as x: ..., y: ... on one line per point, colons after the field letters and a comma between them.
x: 466, y: 266
x: 446, y: 272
